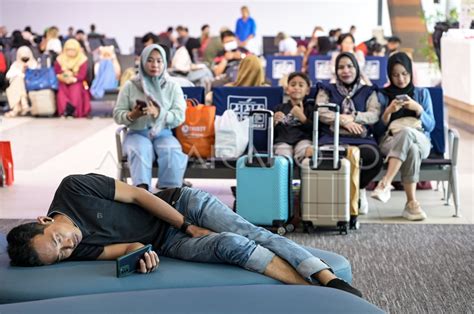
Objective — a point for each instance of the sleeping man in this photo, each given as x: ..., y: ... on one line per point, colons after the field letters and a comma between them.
x: 94, y: 217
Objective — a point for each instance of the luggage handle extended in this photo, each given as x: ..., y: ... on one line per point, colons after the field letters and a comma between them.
x: 316, y: 134
x: 269, y: 160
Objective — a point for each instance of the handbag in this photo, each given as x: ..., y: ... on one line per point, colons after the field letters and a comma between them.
x: 196, y: 134
x: 232, y: 135
x: 44, y: 78
x: 405, y: 122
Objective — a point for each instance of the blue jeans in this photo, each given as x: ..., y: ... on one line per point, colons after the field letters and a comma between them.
x: 235, y: 241
x: 141, y: 148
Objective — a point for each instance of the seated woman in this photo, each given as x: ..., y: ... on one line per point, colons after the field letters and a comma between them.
x: 16, y: 92
x: 73, y: 97
x: 287, y: 46
x: 293, y: 120
x: 346, y: 43
x: 409, y: 118
x: 150, y: 106
x: 360, y: 109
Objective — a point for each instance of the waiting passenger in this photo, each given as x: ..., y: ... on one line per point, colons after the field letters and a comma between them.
x: 73, y: 97
x: 150, y: 105
x: 409, y: 118
x: 346, y: 43
x: 293, y: 120
x: 245, y: 29
x: 183, y: 223
x: 228, y: 60
x: 250, y: 73
x: 287, y: 46
x: 51, y: 41
x: 360, y: 109
x: 16, y: 92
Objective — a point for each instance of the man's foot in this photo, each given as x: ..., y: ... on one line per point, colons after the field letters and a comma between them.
x: 364, y: 205
x: 413, y: 211
x: 342, y: 285
x: 382, y: 192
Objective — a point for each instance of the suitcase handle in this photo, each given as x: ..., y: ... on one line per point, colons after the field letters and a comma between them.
x: 250, y: 154
x: 335, y: 155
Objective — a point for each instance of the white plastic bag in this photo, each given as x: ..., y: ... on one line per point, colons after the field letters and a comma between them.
x: 232, y: 135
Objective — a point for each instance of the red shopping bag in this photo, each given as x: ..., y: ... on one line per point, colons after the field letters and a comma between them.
x: 7, y: 161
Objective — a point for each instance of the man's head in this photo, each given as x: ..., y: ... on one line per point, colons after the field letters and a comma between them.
x: 42, y: 243
x: 182, y: 31
x: 393, y: 43
x: 92, y: 28
x: 245, y: 12
x: 229, y: 41
x: 150, y: 39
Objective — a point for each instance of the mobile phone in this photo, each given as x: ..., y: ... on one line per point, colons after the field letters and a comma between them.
x: 128, y: 263
x: 403, y: 97
x: 141, y: 104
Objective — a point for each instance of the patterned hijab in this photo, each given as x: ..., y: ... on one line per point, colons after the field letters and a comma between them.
x: 250, y: 72
x: 348, y: 90
x: 392, y: 90
x: 72, y: 63
x: 151, y: 85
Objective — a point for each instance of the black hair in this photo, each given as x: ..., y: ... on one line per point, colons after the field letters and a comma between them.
x: 92, y: 27
x: 304, y: 76
x: 20, y: 248
x: 394, y: 39
x: 79, y: 31
x: 180, y: 28
x: 27, y: 29
x: 344, y: 36
x: 204, y: 27
x: 227, y: 33
x: 151, y: 36
x: 169, y: 29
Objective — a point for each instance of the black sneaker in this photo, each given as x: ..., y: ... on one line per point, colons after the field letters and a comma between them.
x: 342, y: 285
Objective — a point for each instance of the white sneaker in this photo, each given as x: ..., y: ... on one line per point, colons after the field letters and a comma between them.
x: 413, y: 211
x: 381, y: 192
x: 364, y: 205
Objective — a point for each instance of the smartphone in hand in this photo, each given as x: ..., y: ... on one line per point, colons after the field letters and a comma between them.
x: 401, y: 98
x: 141, y: 104
x: 129, y: 263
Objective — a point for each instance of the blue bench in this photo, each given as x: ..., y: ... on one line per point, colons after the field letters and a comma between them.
x: 279, y: 66
x: 22, y: 284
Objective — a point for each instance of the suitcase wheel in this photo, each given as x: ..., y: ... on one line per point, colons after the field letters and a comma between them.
x: 308, y: 227
x: 342, y: 226
x: 290, y: 228
x: 281, y: 231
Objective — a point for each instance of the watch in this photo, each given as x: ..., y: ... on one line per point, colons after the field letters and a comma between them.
x: 184, y: 226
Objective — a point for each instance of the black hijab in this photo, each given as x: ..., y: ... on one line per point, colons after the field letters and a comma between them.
x: 392, y: 91
x: 354, y: 62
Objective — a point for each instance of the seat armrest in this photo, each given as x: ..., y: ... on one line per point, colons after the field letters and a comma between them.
x: 453, y: 136
x: 119, y: 137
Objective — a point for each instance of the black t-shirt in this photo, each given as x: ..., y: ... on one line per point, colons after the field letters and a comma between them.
x: 291, y: 130
x: 89, y: 201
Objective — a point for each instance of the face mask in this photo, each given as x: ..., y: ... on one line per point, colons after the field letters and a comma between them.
x: 232, y: 45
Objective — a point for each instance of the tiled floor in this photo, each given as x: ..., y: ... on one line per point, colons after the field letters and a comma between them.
x: 46, y: 150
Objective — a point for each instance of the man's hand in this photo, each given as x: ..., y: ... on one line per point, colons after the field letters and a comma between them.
x: 149, y: 263
x: 196, y: 232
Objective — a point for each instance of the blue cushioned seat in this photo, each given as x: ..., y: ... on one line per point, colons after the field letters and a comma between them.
x: 20, y: 284
x: 256, y: 299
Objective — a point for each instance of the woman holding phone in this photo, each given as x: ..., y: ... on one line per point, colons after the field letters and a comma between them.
x: 150, y: 106
x: 409, y: 119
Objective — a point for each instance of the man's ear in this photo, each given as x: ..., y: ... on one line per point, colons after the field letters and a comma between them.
x: 44, y: 220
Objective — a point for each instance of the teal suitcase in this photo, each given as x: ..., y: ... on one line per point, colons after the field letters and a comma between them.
x: 264, y: 183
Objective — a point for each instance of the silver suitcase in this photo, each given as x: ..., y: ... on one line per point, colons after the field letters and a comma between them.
x: 325, y: 190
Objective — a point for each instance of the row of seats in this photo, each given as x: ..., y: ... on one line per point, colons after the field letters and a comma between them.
x: 440, y: 166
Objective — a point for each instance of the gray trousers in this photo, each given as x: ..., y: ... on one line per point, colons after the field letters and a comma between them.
x: 409, y: 145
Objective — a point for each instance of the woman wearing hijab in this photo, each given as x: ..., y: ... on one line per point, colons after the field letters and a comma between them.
x: 250, y: 73
x: 409, y: 119
x: 16, y: 92
x: 150, y: 106
x: 73, y: 97
x: 359, y: 110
